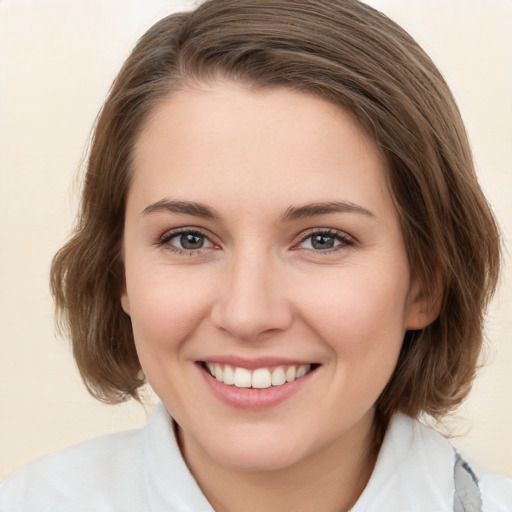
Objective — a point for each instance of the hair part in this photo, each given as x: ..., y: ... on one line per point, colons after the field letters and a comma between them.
x: 348, y: 54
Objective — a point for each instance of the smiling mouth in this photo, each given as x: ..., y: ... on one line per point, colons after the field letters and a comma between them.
x: 260, y: 378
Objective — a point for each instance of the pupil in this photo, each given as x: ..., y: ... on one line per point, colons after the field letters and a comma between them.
x: 192, y: 241
x: 322, y: 242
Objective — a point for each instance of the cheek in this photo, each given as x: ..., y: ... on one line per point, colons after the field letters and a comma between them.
x: 166, y: 307
x: 360, y: 311
x: 361, y: 319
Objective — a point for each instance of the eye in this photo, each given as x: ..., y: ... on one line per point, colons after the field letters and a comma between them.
x: 325, y: 241
x: 186, y: 240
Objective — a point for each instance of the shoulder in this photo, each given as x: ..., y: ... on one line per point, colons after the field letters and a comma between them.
x: 425, y: 462
x: 91, y: 474
x: 415, y: 471
x: 129, y: 471
x: 496, y: 492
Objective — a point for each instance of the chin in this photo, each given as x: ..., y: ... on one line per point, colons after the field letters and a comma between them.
x: 252, y: 449
x: 255, y: 460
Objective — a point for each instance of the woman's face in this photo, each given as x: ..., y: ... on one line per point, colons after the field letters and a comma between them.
x: 262, y: 245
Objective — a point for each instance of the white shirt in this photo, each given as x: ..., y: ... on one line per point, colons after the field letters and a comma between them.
x: 143, y: 470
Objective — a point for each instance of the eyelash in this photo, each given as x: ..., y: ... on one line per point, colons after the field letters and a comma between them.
x: 344, y: 241
x: 169, y: 235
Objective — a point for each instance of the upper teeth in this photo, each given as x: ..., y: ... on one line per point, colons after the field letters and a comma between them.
x: 260, y: 378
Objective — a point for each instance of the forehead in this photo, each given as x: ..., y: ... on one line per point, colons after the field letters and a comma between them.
x: 224, y: 139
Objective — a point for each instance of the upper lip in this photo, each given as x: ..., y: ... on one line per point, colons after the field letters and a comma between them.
x: 255, y: 363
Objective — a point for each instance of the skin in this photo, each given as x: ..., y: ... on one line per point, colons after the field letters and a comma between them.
x: 258, y: 288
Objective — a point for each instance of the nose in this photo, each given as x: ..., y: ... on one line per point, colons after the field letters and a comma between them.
x: 251, y: 302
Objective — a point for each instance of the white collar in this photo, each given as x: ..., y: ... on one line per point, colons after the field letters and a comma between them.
x: 413, y: 473
x: 169, y: 483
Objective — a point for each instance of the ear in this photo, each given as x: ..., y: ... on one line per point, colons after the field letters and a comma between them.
x: 424, y: 303
x: 125, y: 301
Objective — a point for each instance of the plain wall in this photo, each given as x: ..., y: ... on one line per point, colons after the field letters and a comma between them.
x: 57, y: 60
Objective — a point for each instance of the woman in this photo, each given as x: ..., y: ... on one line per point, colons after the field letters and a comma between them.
x: 282, y: 231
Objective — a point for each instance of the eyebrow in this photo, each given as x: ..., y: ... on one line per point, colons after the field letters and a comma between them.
x: 184, y: 207
x: 291, y: 213
x: 311, y: 210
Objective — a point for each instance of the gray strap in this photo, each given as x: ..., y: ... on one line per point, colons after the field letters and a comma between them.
x: 467, y: 496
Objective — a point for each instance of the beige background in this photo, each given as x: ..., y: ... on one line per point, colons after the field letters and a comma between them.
x: 57, y: 59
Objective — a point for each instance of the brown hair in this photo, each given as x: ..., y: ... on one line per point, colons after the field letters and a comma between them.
x: 354, y: 57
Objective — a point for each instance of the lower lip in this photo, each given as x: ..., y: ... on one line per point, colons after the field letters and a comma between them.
x: 250, y: 398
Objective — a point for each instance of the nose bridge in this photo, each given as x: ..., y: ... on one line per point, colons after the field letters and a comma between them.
x: 252, y: 299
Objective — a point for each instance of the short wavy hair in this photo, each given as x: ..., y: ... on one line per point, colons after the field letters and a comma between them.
x: 352, y: 56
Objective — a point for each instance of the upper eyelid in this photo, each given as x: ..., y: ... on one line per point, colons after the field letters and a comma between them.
x: 171, y: 233
x: 328, y: 231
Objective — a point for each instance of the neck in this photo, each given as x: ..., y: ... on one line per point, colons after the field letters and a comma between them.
x: 330, y: 480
